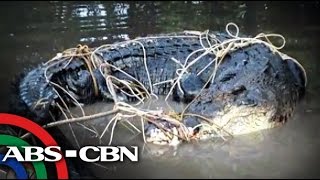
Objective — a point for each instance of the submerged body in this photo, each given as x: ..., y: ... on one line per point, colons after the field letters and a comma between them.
x: 254, y: 88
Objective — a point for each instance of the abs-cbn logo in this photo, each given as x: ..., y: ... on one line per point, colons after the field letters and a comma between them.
x: 51, y: 153
x: 28, y: 161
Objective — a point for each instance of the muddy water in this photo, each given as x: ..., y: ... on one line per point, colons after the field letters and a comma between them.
x: 33, y: 32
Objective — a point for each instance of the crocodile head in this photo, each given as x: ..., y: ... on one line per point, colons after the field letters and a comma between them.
x: 242, y: 111
x: 254, y: 89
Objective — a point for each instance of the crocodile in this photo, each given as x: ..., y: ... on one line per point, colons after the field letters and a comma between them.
x: 252, y: 84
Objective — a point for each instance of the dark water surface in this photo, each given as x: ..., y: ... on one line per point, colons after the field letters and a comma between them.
x: 33, y: 32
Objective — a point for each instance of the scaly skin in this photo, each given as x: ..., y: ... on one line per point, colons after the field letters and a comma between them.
x: 251, y: 85
x: 159, y: 54
x: 39, y: 96
x: 254, y: 88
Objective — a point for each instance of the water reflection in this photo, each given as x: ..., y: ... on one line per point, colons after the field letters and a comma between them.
x: 33, y: 32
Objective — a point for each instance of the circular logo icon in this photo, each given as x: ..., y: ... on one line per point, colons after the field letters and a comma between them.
x: 22, y: 170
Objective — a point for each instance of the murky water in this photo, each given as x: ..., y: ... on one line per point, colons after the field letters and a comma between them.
x: 33, y: 32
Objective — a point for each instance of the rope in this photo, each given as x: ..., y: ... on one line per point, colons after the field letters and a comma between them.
x: 215, y: 47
